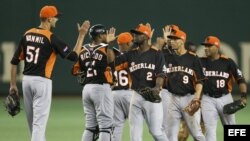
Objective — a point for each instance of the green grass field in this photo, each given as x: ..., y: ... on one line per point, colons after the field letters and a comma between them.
x: 66, y: 123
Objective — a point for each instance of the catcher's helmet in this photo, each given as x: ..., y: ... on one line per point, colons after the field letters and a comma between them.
x: 96, y: 30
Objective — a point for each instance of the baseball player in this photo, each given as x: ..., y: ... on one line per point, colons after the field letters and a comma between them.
x: 96, y: 94
x: 220, y: 71
x: 184, y: 84
x: 122, y: 92
x: 38, y: 48
x: 145, y: 65
x: 183, y: 132
x: 162, y: 43
x: 190, y: 46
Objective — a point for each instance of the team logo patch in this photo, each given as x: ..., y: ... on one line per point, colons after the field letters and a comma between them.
x: 239, y: 72
x: 65, y: 49
x: 204, y: 70
x: 164, y: 69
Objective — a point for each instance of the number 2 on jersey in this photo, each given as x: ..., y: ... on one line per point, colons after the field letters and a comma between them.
x: 32, y: 54
x: 149, y: 76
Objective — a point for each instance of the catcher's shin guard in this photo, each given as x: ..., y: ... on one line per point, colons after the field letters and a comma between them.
x: 108, y: 130
x: 95, y: 133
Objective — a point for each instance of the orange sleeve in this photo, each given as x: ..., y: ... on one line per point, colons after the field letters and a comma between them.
x: 122, y: 66
x: 108, y: 75
x: 76, y: 68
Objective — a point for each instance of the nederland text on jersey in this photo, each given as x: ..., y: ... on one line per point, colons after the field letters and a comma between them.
x: 142, y: 66
x: 180, y: 69
x: 217, y: 74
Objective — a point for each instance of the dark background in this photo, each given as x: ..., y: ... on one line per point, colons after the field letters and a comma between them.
x: 228, y: 20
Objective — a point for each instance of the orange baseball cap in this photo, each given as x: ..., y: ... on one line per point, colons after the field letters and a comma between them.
x: 124, y: 38
x: 49, y: 11
x: 178, y: 34
x: 212, y: 40
x: 142, y: 29
x: 174, y: 27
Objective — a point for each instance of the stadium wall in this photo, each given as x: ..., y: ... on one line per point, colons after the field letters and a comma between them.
x: 228, y: 20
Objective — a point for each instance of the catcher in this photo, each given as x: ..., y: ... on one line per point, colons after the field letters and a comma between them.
x: 217, y: 101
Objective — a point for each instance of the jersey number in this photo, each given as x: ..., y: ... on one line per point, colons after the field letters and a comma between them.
x: 149, y: 76
x: 185, y: 79
x: 32, y: 54
x: 220, y: 83
x: 122, y: 77
x: 91, y: 72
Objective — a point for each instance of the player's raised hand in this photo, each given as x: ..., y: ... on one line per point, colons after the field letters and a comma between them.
x: 111, y: 35
x: 83, y: 29
x: 166, y: 31
x: 152, y: 30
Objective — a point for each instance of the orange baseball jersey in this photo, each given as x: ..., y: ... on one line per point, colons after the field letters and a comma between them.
x: 38, y: 48
x: 93, y: 61
x: 220, y: 73
x: 123, y: 80
x: 143, y: 67
x: 183, y: 72
x: 122, y: 77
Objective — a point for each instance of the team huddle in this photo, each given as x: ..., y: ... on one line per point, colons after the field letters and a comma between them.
x: 182, y: 88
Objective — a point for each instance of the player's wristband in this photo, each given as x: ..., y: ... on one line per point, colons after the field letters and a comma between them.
x: 244, y: 95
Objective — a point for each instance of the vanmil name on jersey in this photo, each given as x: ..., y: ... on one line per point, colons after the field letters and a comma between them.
x: 36, y: 39
x: 217, y: 74
x: 142, y: 66
x: 180, y: 69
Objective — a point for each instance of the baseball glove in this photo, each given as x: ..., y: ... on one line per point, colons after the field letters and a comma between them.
x: 192, y: 107
x: 150, y: 94
x: 233, y: 107
x: 183, y: 131
x: 12, y: 104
